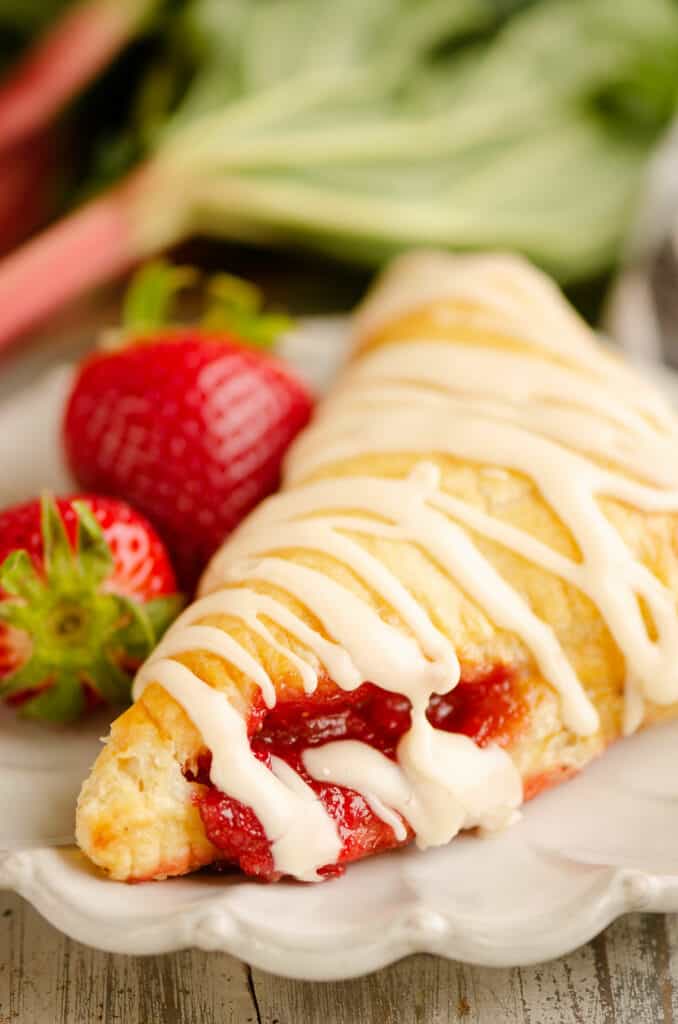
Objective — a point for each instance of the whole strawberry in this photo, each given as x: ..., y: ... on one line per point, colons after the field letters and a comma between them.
x: 188, y: 424
x: 86, y: 590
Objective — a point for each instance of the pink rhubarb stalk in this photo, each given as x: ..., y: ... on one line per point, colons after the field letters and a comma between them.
x: 97, y: 243
x: 69, y: 55
x: 92, y: 245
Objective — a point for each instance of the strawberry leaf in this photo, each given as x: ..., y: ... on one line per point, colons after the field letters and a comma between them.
x: 132, y: 635
x: 63, y: 701
x: 149, y: 298
x: 30, y: 676
x: 111, y: 681
x: 58, y: 555
x: 19, y: 576
x: 162, y: 611
x: 16, y: 613
x: 93, y: 553
x: 80, y: 633
x: 235, y: 306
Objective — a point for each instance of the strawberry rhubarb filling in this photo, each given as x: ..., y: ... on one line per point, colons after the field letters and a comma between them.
x: 489, y: 710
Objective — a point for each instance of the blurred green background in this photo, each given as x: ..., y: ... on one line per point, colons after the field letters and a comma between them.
x: 343, y: 132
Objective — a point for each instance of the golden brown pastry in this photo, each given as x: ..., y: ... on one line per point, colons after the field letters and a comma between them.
x: 465, y: 590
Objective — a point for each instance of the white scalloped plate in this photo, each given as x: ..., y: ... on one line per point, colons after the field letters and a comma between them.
x: 583, y: 854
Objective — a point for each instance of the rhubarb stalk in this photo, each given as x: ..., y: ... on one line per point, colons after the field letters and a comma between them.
x: 68, y: 56
x: 93, y: 245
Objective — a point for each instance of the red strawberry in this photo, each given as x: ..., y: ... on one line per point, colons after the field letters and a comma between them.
x: 190, y: 426
x: 86, y: 590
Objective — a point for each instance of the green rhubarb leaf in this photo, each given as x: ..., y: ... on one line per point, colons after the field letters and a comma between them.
x: 360, y: 129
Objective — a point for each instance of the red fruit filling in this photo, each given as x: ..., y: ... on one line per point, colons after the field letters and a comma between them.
x: 489, y: 709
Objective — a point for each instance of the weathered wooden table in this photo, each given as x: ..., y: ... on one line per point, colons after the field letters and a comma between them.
x: 628, y: 975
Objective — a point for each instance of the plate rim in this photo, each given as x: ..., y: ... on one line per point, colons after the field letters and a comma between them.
x: 414, y: 929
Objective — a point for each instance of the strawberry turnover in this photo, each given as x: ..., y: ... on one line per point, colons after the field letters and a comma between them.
x: 463, y: 593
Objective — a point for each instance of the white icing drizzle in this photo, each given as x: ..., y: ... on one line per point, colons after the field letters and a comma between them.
x: 403, y: 502
x: 441, y: 784
x: 547, y: 411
